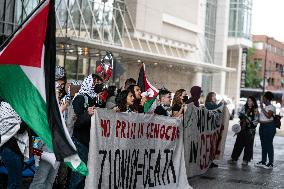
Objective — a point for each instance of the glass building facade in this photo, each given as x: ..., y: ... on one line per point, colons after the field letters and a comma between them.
x: 210, y: 29
x: 210, y: 34
x: 97, y: 20
x: 240, y: 18
x: 12, y: 14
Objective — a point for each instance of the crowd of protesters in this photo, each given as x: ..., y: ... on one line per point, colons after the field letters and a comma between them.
x: 92, y: 94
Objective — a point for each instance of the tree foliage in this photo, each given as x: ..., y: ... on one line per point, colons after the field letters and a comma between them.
x: 253, y: 80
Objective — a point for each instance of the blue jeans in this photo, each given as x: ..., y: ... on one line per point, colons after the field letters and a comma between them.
x: 44, y: 176
x: 77, y: 180
x: 14, y: 164
x: 266, y: 133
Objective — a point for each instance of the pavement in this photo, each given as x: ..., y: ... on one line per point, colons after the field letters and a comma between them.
x: 234, y: 176
x: 244, y: 177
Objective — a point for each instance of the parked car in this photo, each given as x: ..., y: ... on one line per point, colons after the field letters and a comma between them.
x: 241, y: 103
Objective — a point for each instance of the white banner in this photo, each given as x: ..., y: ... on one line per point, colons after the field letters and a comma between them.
x: 130, y: 150
x: 204, y: 137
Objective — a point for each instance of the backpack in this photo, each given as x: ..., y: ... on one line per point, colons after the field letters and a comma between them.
x: 277, y: 121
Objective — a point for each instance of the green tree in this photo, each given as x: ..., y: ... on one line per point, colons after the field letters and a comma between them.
x: 253, y: 68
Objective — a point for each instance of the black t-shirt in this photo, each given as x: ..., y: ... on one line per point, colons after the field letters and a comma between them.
x: 161, y: 111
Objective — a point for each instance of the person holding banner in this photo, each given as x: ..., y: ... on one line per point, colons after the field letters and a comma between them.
x: 179, y: 100
x: 124, y: 101
x: 245, y: 138
x: 196, y: 93
x: 84, y: 104
x: 210, y: 102
x: 165, y: 103
x: 139, y: 101
x: 267, y: 130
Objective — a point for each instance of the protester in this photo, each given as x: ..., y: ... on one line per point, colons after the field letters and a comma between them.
x: 84, y: 104
x: 211, y: 101
x: 45, y: 173
x: 10, y: 152
x: 139, y: 101
x: 210, y: 104
x: 267, y: 130
x: 124, y: 101
x: 165, y: 103
x: 128, y: 82
x: 245, y: 138
x: 179, y: 100
x: 110, y: 103
x: 195, y: 92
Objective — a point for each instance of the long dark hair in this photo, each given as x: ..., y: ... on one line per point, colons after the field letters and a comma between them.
x: 121, y: 100
x: 254, y: 103
x: 137, y: 102
x: 177, y: 100
x: 131, y: 89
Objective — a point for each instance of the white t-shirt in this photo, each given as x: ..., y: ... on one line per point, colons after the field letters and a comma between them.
x: 262, y: 117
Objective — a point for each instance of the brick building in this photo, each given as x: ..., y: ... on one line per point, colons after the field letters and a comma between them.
x: 272, y: 51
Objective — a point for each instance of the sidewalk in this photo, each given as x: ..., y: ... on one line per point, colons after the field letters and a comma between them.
x: 244, y: 177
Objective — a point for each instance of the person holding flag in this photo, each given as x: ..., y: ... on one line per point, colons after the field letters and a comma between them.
x: 10, y: 152
x: 47, y: 168
x: 27, y: 82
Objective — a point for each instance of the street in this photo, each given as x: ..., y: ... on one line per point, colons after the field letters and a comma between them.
x: 236, y: 176
x: 245, y: 177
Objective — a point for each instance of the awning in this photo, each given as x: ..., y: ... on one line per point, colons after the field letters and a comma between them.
x: 147, y: 56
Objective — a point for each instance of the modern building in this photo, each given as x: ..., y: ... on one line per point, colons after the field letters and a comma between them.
x: 269, y: 53
x: 183, y: 43
x: 239, y: 39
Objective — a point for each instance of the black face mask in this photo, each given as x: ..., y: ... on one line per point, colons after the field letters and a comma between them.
x: 98, y: 88
x: 185, y: 98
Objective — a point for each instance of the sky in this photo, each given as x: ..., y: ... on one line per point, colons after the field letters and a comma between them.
x: 268, y: 18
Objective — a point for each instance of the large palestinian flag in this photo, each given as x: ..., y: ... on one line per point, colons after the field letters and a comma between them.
x: 27, y: 82
x: 146, y: 86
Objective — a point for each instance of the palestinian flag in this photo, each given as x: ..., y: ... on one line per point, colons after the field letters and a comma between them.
x: 27, y: 82
x: 148, y: 88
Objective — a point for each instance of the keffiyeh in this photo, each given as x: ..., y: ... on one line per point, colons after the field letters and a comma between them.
x: 59, y: 73
x: 87, y: 87
x: 9, y: 122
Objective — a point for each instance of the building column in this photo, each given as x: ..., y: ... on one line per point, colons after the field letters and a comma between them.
x: 233, y: 79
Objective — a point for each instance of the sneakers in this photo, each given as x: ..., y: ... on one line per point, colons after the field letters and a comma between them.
x: 268, y: 166
x: 260, y: 164
x: 245, y: 163
x: 232, y: 162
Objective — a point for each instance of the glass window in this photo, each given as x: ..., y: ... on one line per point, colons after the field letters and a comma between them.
x: 210, y: 29
x: 258, y: 45
x: 240, y: 18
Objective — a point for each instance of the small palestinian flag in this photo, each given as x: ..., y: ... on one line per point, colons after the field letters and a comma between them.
x: 148, y: 89
x: 27, y: 82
